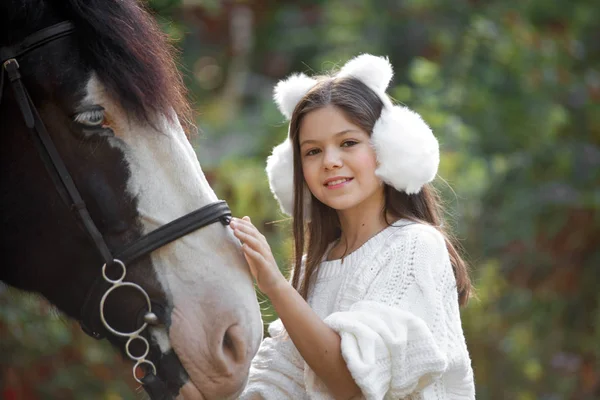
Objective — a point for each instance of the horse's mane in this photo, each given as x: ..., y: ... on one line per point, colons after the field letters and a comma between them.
x: 130, y: 54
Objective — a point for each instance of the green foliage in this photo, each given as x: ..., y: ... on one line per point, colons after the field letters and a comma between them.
x: 511, y: 89
x: 47, y: 356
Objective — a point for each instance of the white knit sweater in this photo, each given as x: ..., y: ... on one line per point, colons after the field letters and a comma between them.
x: 395, y: 306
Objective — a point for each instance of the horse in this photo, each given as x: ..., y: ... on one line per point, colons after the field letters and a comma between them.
x: 105, y: 209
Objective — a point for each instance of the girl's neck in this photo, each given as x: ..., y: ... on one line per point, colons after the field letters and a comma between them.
x: 358, y: 226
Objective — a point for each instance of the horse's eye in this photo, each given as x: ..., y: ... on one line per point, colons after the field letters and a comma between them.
x: 93, y: 117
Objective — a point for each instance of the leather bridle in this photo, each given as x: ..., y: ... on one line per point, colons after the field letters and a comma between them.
x: 209, y: 214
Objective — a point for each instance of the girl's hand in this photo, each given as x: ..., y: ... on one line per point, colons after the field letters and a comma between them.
x: 258, y: 255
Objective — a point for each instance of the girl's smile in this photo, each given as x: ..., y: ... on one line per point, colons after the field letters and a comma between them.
x: 337, y: 182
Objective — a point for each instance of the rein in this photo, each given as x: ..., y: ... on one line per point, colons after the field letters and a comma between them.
x: 103, y: 286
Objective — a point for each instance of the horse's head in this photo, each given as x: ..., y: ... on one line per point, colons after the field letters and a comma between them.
x: 111, y: 101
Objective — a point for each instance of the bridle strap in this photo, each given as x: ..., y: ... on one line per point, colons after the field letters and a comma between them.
x: 31, y: 43
x: 36, y: 40
x: 215, y: 212
x: 155, y: 387
x: 64, y: 185
x: 56, y: 167
x: 14, y: 76
x: 209, y: 214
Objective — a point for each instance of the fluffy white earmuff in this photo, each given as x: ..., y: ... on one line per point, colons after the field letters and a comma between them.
x: 375, y: 72
x: 408, y: 154
x: 280, y: 171
x: 290, y: 91
x: 407, y: 151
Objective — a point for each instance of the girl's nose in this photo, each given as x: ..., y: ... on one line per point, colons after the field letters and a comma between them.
x: 332, y: 159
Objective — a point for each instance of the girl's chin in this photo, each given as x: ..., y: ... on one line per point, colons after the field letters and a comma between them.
x: 355, y: 201
x: 341, y: 204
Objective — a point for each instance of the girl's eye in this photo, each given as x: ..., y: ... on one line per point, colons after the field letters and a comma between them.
x: 312, y: 152
x: 349, y: 143
x: 93, y: 118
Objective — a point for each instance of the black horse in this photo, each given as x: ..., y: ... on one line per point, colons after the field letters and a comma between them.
x: 94, y: 159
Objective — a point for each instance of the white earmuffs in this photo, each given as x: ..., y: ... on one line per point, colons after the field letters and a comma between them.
x: 407, y: 151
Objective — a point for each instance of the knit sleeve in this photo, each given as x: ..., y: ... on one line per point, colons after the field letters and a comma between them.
x: 394, y: 339
x: 276, y: 371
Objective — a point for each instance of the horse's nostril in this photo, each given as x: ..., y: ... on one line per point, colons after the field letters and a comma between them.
x: 234, y: 347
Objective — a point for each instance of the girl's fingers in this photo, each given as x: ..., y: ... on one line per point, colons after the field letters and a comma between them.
x: 248, y: 229
x: 253, y: 254
x: 248, y: 234
x: 247, y: 238
x: 242, y: 225
x: 244, y: 222
x: 255, y: 244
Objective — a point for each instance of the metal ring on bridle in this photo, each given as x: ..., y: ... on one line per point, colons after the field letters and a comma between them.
x: 115, y: 285
x: 135, y: 335
x: 9, y: 61
x: 106, y: 278
x: 128, y: 350
x: 107, y: 325
x: 140, y: 362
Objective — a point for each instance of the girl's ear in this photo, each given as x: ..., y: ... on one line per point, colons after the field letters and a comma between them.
x: 290, y: 91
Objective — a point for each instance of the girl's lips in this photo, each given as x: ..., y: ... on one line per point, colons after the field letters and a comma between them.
x: 339, y: 185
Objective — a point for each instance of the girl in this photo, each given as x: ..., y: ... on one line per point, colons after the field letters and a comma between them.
x: 372, y: 309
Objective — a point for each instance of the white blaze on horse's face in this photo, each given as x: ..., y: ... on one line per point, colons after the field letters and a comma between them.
x: 216, y: 325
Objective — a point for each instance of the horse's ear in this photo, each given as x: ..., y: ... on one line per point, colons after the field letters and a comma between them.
x: 288, y: 92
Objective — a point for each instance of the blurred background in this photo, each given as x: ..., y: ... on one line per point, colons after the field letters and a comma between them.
x: 512, y: 91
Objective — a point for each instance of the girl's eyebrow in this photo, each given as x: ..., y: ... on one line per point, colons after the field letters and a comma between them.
x: 340, y: 133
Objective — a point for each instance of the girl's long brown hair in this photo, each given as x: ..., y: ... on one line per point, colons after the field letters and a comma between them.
x: 362, y: 107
